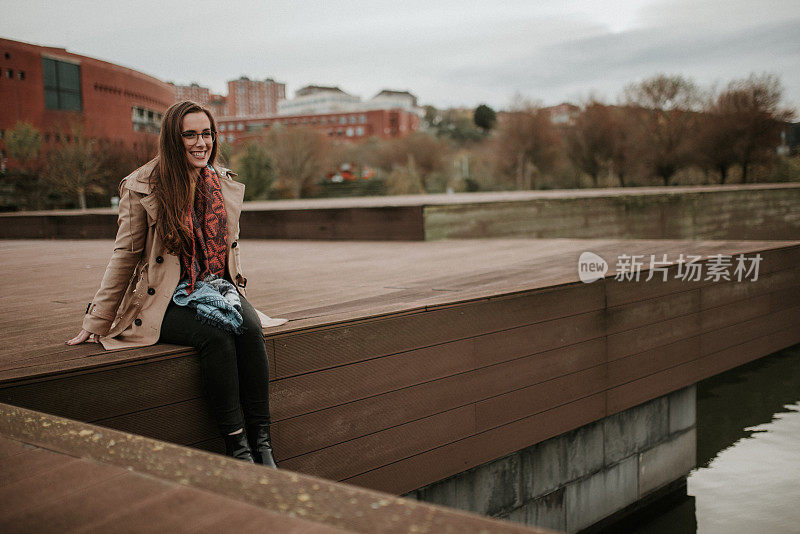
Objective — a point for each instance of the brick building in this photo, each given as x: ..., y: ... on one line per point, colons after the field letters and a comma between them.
x: 350, y: 126
x: 51, y: 88
x: 248, y: 97
x: 194, y: 92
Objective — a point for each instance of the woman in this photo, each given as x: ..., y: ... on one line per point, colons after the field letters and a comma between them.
x: 172, y: 274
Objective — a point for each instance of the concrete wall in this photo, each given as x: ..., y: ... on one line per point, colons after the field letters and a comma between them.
x: 720, y: 213
x: 749, y: 211
x: 576, y: 479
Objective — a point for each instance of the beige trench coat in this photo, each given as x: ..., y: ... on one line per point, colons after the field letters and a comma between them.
x: 141, y: 276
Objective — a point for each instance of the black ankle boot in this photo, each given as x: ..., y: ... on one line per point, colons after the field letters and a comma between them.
x: 258, y: 437
x: 237, y: 447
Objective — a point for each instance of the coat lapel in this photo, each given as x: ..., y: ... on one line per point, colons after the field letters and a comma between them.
x: 233, y: 196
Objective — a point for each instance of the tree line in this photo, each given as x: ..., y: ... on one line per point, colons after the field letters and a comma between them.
x: 664, y: 130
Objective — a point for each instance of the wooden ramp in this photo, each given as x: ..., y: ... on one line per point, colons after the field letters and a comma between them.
x: 406, y: 363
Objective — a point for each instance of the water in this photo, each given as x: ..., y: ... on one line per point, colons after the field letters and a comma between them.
x: 747, y: 478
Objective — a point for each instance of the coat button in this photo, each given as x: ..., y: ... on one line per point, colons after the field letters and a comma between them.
x: 151, y: 291
x: 138, y: 322
x: 159, y: 259
x: 233, y: 245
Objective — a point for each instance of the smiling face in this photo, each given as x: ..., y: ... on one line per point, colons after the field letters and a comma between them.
x: 198, y: 150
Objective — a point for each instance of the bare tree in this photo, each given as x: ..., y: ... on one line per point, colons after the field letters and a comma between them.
x: 75, y: 167
x: 750, y: 112
x: 716, y: 136
x: 421, y: 155
x: 526, y: 142
x: 590, y: 139
x: 663, y: 114
x: 299, y: 154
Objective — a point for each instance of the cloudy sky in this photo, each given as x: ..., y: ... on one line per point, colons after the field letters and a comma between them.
x: 447, y: 52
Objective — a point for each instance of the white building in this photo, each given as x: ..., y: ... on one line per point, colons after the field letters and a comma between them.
x: 315, y: 99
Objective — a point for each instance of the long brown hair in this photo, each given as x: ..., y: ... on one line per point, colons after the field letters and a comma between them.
x: 171, y: 181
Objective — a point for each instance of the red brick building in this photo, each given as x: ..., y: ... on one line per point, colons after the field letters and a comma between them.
x: 51, y: 88
x: 248, y: 97
x: 351, y: 125
x: 194, y: 92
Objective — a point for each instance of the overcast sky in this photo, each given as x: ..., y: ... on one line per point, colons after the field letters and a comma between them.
x: 447, y: 52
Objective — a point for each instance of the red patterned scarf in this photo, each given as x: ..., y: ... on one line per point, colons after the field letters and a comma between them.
x: 208, y: 225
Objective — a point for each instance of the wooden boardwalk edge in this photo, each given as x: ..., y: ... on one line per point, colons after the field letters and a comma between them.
x: 292, y: 495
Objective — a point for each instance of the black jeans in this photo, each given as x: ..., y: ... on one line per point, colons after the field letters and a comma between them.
x: 235, y: 368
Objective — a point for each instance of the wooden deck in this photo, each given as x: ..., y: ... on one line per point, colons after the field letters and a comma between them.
x: 66, y: 476
x: 405, y: 363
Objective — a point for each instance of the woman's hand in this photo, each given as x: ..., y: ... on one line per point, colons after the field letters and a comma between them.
x: 82, y: 336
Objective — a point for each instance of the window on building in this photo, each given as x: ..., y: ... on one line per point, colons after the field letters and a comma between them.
x: 360, y: 131
x: 342, y: 120
x: 221, y: 127
x: 240, y: 126
x: 62, y: 84
x: 145, y: 120
x: 362, y: 119
x: 21, y: 74
x: 352, y: 119
x: 9, y: 73
x: 349, y: 132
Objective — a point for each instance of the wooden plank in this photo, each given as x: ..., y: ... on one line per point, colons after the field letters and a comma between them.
x: 723, y: 293
x: 39, y: 491
x: 183, y: 422
x: 652, y: 386
x: 31, y: 463
x: 111, y: 392
x: 528, y: 401
x: 748, y: 351
x: 349, y: 343
x: 422, y: 469
x: 300, y: 434
x: 51, y: 364
x: 308, y: 392
x: 359, y: 455
x: 386, y: 223
x: 185, y: 509
x: 650, y: 336
x: 663, y: 382
x: 10, y: 447
x: 655, y: 310
x: 735, y: 312
x: 652, y: 361
x: 63, y: 512
x: 785, y: 298
x: 717, y: 340
x: 625, y: 292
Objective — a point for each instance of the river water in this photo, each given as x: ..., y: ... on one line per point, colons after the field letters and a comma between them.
x: 747, y: 478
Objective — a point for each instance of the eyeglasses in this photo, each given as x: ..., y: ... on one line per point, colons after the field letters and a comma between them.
x: 191, y: 136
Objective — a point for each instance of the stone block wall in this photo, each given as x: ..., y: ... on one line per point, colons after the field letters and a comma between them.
x: 576, y: 479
